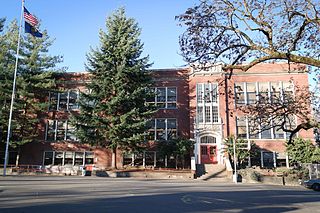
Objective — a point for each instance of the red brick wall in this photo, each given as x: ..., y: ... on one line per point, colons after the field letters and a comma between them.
x: 175, y: 78
x: 186, y: 105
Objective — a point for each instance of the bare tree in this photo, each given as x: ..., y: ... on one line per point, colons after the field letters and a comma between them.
x: 240, y: 34
x: 243, y: 33
x: 286, y: 111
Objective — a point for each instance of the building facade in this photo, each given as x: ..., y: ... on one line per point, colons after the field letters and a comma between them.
x: 201, y: 105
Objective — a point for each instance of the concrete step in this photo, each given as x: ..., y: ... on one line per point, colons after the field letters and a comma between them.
x: 214, y: 172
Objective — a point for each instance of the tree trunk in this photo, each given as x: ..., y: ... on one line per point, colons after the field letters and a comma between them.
x: 18, y: 157
x: 114, y: 158
x: 183, y: 162
x: 176, y: 161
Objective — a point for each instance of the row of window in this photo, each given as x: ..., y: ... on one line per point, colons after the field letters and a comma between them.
x: 165, y: 97
x: 207, y: 94
x: 248, y: 129
x: 158, y: 129
x: 251, y: 92
x: 67, y: 158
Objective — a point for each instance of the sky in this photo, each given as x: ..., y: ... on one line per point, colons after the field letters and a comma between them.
x: 74, y: 24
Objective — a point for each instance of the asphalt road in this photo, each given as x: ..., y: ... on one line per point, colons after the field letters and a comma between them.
x: 100, y: 194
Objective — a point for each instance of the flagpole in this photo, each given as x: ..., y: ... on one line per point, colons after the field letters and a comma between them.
x: 13, y: 94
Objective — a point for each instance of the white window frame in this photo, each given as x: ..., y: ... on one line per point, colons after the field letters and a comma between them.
x: 64, y: 154
x: 260, y: 137
x: 166, y: 97
x: 65, y: 124
x: 166, y: 127
x: 67, y: 92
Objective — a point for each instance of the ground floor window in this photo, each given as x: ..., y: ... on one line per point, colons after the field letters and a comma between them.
x: 11, y: 158
x: 273, y: 159
x: 155, y: 159
x: 67, y: 158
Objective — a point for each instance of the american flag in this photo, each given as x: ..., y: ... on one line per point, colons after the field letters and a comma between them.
x: 31, y: 19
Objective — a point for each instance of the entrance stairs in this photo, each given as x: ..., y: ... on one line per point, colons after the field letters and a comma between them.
x: 214, y: 172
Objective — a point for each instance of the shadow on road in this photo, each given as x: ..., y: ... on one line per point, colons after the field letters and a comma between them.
x: 258, y: 200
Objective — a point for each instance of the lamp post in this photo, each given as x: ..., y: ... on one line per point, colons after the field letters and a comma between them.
x: 235, y: 175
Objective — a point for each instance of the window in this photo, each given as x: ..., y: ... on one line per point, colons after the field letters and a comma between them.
x: 58, y: 158
x: 241, y: 127
x: 251, y: 93
x: 199, y: 93
x: 73, y: 100
x: 171, y: 128
x: 48, y: 158
x: 215, y: 114
x: 161, y: 97
x: 68, y: 158
x: 88, y: 158
x: 253, y: 128
x: 207, y: 114
x: 239, y: 93
x: 63, y: 100
x: 263, y: 92
x: 165, y: 97
x: 207, y: 103
x: 275, y: 92
x: 200, y: 114
x: 78, y: 158
x: 171, y: 97
x: 59, y: 130
x: 208, y: 139
x: 288, y: 91
x: 51, y: 131
x: 70, y: 133
x: 162, y: 129
x: 265, y: 131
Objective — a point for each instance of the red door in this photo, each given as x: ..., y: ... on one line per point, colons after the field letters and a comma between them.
x: 208, y: 154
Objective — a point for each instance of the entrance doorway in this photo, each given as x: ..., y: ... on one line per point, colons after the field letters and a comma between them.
x: 208, y: 154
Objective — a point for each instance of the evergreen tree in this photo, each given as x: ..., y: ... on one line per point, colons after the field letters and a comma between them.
x: 114, y: 112
x: 300, y: 151
x: 35, y: 76
x: 2, y: 20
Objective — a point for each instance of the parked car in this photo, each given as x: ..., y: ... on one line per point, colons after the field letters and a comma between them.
x: 312, y: 184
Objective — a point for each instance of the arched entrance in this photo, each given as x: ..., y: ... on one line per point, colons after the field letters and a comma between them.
x: 208, y: 147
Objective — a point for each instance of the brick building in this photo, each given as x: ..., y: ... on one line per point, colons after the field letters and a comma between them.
x: 201, y: 105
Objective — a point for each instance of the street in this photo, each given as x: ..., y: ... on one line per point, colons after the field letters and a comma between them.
x: 100, y: 194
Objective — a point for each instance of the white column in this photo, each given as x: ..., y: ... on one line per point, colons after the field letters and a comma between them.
x: 144, y: 159
x: 287, y: 160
